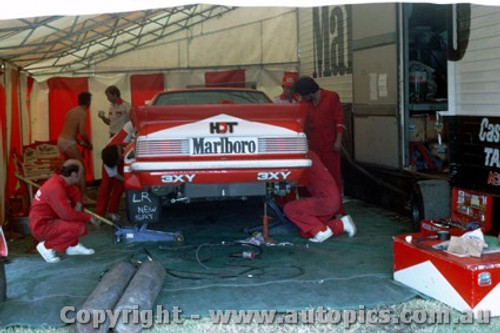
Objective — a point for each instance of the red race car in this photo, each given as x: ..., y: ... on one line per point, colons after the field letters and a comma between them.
x: 212, y: 144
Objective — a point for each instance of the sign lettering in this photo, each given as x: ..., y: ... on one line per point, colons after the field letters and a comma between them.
x: 143, y: 206
x: 222, y: 127
x: 140, y: 197
x: 279, y: 175
x: 492, y: 158
x: 224, y: 145
x: 177, y: 178
x: 489, y: 132
x: 331, y: 38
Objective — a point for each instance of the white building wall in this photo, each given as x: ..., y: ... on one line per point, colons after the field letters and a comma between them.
x: 338, y: 39
x: 477, y: 85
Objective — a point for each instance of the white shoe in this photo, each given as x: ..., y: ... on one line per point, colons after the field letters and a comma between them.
x: 114, y: 217
x: 79, y: 249
x: 322, y: 236
x: 349, y: 226
x: 48, y: 255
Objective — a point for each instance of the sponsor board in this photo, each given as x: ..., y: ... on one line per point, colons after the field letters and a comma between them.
x: 223, y: 145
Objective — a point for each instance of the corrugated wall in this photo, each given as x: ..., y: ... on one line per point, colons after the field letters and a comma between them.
x: 478, y: 73
x: 325, y: 51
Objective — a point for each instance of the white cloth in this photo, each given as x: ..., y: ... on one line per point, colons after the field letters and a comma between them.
x: 124, y: 136
x: 118, y: 115
x: 129, y: 128
x: 112, y: 172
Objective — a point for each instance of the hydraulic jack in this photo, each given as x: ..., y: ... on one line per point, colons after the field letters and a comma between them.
x: 142, y: 234
x: 282, y: 225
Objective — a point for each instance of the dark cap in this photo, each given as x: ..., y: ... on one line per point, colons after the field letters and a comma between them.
x: 305, y: 85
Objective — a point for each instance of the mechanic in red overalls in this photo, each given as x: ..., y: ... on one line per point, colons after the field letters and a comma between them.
x: 111, y: 188
x: 288, y: 96
x: 315, y: 215
x: 324, y: 126
x: 56, y: 217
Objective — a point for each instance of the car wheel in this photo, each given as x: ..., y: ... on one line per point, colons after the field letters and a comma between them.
x: 416, y: 203
x: 430, y: 199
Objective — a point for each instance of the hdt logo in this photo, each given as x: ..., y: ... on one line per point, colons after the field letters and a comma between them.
x: 222, y: 128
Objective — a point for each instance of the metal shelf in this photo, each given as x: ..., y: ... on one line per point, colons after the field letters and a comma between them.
x: 428, y: 106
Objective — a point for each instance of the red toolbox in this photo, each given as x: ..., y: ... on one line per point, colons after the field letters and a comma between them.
x: 464, y: 283
x: 469, y: 210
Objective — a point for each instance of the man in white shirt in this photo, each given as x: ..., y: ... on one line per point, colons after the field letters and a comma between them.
x: 118, y: 113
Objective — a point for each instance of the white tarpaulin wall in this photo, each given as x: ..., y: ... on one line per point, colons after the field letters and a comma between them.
x: 242, y: 37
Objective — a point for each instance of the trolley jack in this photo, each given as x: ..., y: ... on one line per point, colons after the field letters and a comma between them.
x: 142, y: 234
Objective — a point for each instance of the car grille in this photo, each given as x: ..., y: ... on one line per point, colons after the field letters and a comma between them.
x: 180, y: 147
x: 171, y: 147
x: 282, y: 145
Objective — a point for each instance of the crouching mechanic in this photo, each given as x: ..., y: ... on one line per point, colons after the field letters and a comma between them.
x: 315, y: 215
x: 56, y: 217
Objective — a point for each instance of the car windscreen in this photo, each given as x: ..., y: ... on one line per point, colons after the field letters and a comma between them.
x: 211, y: 97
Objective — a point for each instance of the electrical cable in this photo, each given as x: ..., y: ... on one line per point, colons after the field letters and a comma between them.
x: 203, y: 275
x: 198, y: 249
x: 371, y: 176
x: 236, y: 267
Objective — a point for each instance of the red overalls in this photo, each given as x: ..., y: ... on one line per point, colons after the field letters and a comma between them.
x: 312, y: 214
x: 110, y: 193
x: 323, y: 123
x: 52, y: 216
x: 111, y: 189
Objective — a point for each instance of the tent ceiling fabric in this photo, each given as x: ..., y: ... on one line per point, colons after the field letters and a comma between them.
x: 65, y: 45
x: 32, y: 8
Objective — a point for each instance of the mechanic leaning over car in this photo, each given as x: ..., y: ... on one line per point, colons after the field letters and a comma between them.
x: 118, y: 113
x: 324, y: 126
x: 56, y: 217
x: 315, y: 215
x: 112, y: 187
